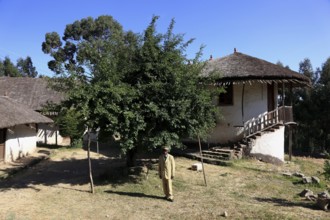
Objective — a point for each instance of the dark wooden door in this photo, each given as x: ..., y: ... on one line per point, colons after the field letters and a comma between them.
x: 270, y: 97
x: 2, y: 144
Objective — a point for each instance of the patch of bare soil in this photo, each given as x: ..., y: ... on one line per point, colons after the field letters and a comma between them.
x: 58, y: 188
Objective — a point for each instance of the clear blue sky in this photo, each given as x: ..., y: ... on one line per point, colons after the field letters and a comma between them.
x: 273, y: 30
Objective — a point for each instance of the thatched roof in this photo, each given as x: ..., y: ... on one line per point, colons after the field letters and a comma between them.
x: 13, y: 113
x: 33, y: 92
x: 241, y: 68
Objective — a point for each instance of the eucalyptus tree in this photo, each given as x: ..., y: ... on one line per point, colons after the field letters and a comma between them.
x: 23, y: 67
x: 304, y: 110
x: 26, y: 68
x: 2, y: 71
x: 139, y: 87
x: 86, y: 60
x: 312, y: 109
x: 323, y: 95
x: 8, y: 68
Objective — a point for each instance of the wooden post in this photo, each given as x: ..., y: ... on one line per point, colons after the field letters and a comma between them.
x: 283, y: 93
x: 45, y: 135
x: 200, y: 150
x: 290, y: 142
x: 290, y: 127
x: 56, y: 143
x: 243, y: 103
x: 97, y: 142
x: 90, y: 162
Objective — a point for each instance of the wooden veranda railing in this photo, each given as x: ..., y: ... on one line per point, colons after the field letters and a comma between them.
x: 281, y: 115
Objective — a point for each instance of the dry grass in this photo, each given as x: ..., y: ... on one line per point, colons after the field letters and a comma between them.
x: 58, y: 189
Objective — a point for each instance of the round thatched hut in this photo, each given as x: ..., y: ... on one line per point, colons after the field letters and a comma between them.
x: 250, y: 106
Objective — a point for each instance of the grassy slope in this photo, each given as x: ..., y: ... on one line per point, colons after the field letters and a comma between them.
x: 248, y: 190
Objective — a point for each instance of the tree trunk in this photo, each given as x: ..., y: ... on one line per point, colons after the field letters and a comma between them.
x: 200, y: 151
x: 130, y: 157
x: 90, y: 164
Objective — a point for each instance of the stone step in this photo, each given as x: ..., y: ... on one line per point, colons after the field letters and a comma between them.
x: 215, y: 156
x: 196, y: 156
x: 222, y: 150
x: 215, y: 161
x: 218, y: 153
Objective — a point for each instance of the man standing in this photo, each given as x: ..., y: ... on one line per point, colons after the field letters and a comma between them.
x: 166, y: 171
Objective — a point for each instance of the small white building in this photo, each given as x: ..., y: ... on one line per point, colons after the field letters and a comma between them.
x: 18, y: 130
x: 36, y: 94
x: 250, y: 106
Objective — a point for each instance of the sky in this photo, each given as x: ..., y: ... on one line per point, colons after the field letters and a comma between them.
x: 274, y: 30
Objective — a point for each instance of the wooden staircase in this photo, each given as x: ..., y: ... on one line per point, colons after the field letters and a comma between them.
x: 253, y: 128
x: 267, y: 121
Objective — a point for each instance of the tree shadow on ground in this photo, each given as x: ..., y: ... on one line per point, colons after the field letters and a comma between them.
x: 50, y: 173
x: 287, y: 203
x: 134, y: 194
x: 109, y: 168
x: 69, y: 170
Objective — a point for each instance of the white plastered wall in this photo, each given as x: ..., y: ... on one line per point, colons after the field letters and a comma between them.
x: 20, y: 142
x: 230, y: 127
x: 270, y: 143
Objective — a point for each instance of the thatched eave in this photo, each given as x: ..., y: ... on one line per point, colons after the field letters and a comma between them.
x: 13, y: 113
x: 239, y: 68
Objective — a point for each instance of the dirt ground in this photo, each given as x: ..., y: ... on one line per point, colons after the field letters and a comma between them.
x: 58, y: 188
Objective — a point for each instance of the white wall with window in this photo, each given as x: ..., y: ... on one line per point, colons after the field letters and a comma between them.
x: 254, y: 102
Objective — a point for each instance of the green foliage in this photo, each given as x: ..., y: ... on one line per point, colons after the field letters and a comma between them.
x: 325, y: 74
x: 311, y: 110
x: 306, y: 68
x: 71, y: 125
x: 1, y: 69
x: 141, y: 87
x: 8, y: 68
x: 77, y: 143
x: 24, y: 67
x: 327, y: 169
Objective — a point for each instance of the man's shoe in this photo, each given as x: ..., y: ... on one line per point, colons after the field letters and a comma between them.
x: 170, y: 199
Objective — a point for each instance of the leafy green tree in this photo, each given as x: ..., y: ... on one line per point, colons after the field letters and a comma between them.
x: 2, y: 70
x: 9, y: 69
x: 172, y: 102
x: 71, y: 125
x: 322, y: 93
x: 302, y: 110
x: 141, y: 87
x: 26, y: 68
x: 325, y: 74
x: 311, y: 109
x: 306, y: 68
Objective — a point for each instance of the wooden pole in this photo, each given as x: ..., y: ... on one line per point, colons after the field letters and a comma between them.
x: 242, y: 105
x: 90, y: 162
x: 283, y: 94
x: 290, y: 143
x: 56, y: 138
x: 290, y: 127
x: 200, y: 151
